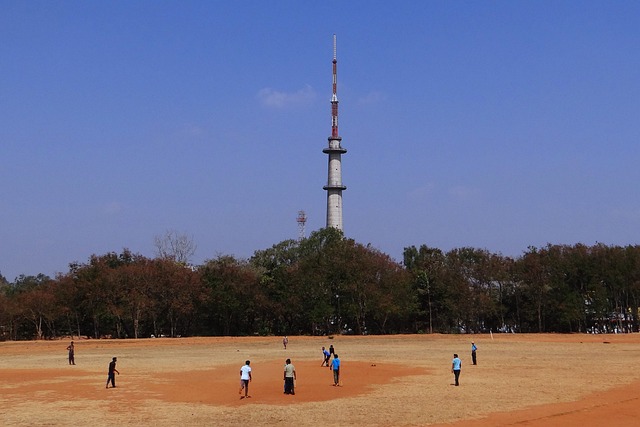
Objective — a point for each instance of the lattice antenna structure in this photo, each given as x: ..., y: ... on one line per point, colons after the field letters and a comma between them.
x: 334, y: 96
x: 302, y: 221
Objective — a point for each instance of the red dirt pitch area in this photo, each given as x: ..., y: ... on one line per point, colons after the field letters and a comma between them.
x: 400, y: 380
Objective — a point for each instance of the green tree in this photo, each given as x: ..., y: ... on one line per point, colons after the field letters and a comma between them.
x: 277, y: 270
x: 429, y: 271
x: 534, y: 281
x: 231, y: 287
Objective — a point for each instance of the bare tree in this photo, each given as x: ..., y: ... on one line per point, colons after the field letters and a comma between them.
x: 175, y: 246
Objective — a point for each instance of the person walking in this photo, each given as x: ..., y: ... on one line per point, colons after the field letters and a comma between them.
x: 72, y: 351
x: 111, y: 376
x: 289, y: 377
x: 474, y: 348
x: 285, y: 341
x: 245, y: 379
x: 325, y: 357
x: 456, y: 365
x: 335, y: 367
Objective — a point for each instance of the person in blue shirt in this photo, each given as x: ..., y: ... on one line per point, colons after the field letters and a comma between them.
x: 326, y: 356
x: 456, y: 365
x: 473, y: 353
x: 335, y: 367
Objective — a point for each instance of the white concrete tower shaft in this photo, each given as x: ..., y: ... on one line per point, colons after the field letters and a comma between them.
x: 335, y: 151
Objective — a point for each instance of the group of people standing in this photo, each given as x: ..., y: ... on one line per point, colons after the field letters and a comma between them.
x: 456, y: 364
x: 334, y: 364
x: 289, y: 377
x: 289, y: 374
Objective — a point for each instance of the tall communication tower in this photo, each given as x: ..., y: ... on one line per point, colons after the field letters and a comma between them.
x: 335, y: 151
x: 302, y: 220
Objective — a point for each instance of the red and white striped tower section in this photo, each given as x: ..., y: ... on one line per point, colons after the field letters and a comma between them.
x: 334, y: 185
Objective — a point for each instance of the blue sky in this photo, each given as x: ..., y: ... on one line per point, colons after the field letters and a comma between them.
x: 496, y: 125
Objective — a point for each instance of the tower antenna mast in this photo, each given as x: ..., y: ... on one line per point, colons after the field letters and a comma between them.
x: 335, y: 151
x: 334, y: 97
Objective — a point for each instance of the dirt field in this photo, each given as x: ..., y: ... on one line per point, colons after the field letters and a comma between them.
x: 524, y: 380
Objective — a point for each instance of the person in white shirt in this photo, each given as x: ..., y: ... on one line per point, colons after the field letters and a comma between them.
x: 289, y: 377
x: 245, y: 379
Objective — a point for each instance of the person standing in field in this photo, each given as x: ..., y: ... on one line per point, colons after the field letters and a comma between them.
x: 474, y: 348
x: 245, y: 379
x: 456, y: 365
x: 72, y: 357
x: 335, y: 367
x: 325, y: 357
x: 111, y: 376
x: 285, y: 341
x: 289, y: 378
x: 331, y: 350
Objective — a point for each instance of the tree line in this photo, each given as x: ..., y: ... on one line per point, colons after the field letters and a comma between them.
x: 328, y: 284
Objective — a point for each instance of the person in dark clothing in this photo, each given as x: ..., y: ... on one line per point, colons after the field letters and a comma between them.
x: 112, y: 373
x: 474, y: 348
x: 72, y: 359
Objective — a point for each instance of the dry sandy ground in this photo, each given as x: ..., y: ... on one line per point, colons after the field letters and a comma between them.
x: 520, y: 380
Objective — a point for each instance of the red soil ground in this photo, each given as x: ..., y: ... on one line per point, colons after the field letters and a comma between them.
x: 618, y: 406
